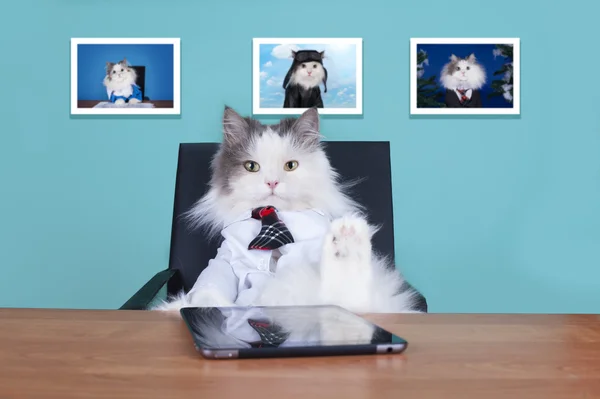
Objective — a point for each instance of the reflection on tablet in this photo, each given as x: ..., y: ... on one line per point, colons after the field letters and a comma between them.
x: 272, y: 327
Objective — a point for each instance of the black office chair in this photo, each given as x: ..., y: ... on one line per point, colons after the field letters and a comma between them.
x: 141, y: 80
x: 190, y: 251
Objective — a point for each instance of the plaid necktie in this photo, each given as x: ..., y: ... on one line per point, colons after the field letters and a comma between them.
x: 270, y: 334
x: 273, y: 233
x: 463, y: 95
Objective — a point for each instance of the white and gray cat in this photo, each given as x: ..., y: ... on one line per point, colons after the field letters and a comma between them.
x: 463, y: 78
x: 347, y: 272
x: 120, y: 83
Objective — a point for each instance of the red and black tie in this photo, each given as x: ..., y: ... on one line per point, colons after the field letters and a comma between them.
x: 273, y: 233
x: 463, y: 96
x: 271, y: 335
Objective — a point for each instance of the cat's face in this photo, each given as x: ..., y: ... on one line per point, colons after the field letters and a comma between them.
x: 120, y: 73
x: 463, y: 73
x: 309, y: 73
x: 462, y: 70
x: 282, y: 164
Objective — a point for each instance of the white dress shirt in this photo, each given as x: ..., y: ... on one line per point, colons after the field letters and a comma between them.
x: 239, y: 273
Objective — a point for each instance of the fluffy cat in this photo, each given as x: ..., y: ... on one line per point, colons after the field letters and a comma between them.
x: 120, y: 83
x: 285, y: 165
x: 463, y: 78
x: 303, y: 80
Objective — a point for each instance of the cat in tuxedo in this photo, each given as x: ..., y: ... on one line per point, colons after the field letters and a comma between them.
x: 463, y: 78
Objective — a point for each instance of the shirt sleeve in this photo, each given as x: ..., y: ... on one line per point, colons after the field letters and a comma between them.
x: 137, y: 93
x: 219, y: 275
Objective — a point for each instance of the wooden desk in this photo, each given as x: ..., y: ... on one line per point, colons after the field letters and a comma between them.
x: 157, y: 103
x: 128, y: 354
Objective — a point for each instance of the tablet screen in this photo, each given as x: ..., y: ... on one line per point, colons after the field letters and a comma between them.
x: 264, y: 327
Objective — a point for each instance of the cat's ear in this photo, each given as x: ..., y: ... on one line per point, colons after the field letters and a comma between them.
x: 471, y: 58
x: 322, y: 54
x: 124, y: 62
x: 235, y: 127
x: 294, y: 54
x: 453, y: 58
x: 109, y: 66
x: 307, y: 127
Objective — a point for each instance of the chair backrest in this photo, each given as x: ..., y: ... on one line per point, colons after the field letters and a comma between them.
x: 141, y: 78
x: 190, y: 251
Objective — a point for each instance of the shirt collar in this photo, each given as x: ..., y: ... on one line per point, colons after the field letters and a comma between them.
x: 247, y: 214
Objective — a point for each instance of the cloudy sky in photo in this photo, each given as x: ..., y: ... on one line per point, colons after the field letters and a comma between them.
x: 340, y: 62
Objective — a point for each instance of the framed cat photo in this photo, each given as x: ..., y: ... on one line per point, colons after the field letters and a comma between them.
x: 465, y: 76
x: 290, y: 75
x: 125, y: 76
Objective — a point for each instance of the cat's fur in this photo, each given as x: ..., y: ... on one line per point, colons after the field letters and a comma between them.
x: 120, y: 79
x: 349, y: 274
x: 303, y: 80
x: 463, y: 74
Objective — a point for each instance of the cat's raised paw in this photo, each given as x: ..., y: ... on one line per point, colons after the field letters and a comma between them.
x: 349, y: 236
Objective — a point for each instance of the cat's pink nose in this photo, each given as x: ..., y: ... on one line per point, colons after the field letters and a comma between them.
x: 272, y: 184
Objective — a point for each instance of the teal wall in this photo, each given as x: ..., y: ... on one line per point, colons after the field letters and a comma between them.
x: 491, y: 214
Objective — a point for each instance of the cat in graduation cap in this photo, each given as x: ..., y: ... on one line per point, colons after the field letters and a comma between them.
x: 120, y: 83
x: 303, y: 80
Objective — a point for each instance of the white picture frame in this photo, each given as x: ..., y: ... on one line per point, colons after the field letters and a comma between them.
x: 356, y: 86
x: 515, y: 109
x: 75, y: 102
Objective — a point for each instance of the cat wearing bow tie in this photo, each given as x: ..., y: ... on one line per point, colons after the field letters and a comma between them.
x: 463, y: 78
x: 328, y: 261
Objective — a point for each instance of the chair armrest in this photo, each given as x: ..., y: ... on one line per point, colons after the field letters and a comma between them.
x: 145, y: 295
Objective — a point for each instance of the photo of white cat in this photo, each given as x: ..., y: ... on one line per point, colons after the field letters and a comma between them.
x: 463, y: 79
x: 115, y: 76
x: 121, y: 85
x: 465, y: 76
x: 290, y: 76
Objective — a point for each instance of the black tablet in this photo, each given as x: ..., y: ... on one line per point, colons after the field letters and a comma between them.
x: 286, y: 331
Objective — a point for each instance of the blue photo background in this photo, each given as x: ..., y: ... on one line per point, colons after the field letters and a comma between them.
x: 439, y: 55
x: 92, y: 59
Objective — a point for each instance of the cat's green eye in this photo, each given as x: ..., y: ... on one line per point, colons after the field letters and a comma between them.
x: 251, y: 166
x: 290, y: 165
